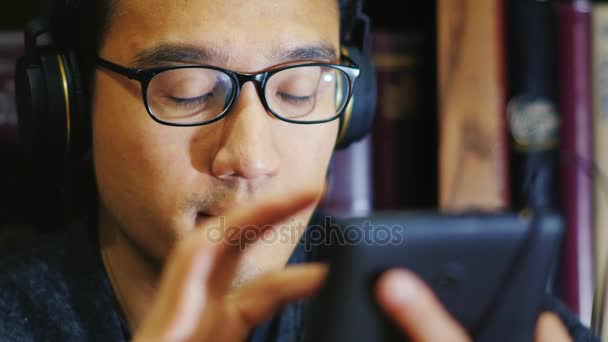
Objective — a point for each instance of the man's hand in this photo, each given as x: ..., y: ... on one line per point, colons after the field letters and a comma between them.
x: 195, y: 301
x: 419, y: 314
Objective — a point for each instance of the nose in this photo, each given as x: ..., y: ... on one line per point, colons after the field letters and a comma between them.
x: 247, y: 148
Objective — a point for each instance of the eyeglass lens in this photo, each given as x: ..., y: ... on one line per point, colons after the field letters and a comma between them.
x: 196, y: 95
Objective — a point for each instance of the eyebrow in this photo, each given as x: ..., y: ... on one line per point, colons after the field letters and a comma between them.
x: 176, y: 53
x: 323, y: 52
x: 166, y: 53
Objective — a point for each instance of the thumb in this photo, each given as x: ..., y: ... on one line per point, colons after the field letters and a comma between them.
x: 550, y: 329
x: 415, y: 309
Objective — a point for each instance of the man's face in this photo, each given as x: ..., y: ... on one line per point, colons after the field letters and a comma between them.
x: 158, y: 182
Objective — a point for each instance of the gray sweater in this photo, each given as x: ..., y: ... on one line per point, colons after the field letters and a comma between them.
x: 54, y: 288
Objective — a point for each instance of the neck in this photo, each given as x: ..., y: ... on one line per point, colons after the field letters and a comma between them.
x: 132, y: 276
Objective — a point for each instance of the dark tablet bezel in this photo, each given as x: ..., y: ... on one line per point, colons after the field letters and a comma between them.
x: 489, y: 270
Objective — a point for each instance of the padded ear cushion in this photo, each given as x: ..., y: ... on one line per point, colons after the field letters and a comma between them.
x: 42, y: 93
x: 30, y: 91
x: 358, y: 118
x: 50, y: 106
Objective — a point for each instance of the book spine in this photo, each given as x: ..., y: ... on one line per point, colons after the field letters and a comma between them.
x: 404, y: 126
x: 473, y: 162
x: 11, y: 47
x: 599, y: 42
x: 532, y: 115
x: 576, y: 146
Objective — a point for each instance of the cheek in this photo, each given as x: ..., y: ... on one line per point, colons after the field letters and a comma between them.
x: 140, y: 168
x: 130, y: 145
x: 307, y: 150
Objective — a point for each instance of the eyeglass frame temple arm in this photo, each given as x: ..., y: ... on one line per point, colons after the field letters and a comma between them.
x: 131, y: 73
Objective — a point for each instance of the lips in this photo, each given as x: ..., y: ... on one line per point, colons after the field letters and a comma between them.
x: 209, y: 213
x: 201, y: 217
x: 217, y: 211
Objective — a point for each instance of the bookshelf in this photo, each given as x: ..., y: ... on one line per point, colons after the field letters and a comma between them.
x: 506, y: 74
x: 405, y: 133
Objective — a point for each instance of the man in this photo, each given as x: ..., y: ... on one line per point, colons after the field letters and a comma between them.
x: 195, y: 174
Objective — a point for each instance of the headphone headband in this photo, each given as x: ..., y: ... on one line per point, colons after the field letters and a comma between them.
x: 358, y: 34
x: 33, y: 29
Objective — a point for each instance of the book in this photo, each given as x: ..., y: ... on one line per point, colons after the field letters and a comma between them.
x: 473, y: 147
x: 576, y: 150
x: 11, y: 174
x: 404, y: 130
x: 599, y: 42
x: 532, y: 116
x: 349, y: 190
x: 11, y: 48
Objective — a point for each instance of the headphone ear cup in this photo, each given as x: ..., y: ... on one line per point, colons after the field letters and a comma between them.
x: 358, y: 117
x: 41, y: 105
x: 30, y: 91
x: 50, y: 107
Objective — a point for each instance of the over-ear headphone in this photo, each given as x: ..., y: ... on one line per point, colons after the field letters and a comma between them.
x: 54, y: 125
x: 358, y: 117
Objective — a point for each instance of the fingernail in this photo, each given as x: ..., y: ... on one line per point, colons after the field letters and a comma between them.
x: 401, y: 287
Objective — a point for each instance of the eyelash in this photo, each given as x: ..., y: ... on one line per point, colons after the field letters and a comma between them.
x: 190, y: 102
x: 295, y: 99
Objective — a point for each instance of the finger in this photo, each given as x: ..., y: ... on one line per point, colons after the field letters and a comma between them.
x: 260, y: 299
x: 415, y: 309
x: 198, y: 258
x: 245, y: 226
x: 182, y: 293
x: 551, y: 329
x: 197, y: 264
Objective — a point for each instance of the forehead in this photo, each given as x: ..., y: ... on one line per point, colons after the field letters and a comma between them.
x: 243, y: 30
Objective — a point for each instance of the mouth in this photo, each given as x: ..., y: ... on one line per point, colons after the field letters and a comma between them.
x: 202, y: 216
x: 206, y: 213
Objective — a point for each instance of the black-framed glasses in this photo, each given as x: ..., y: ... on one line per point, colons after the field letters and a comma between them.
x: 195, y: 95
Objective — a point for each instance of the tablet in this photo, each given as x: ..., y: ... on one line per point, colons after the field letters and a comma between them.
x: 490, y: 271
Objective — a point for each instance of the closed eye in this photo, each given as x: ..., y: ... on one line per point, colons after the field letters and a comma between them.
x: 295, y: 99
x: 190, y: 101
